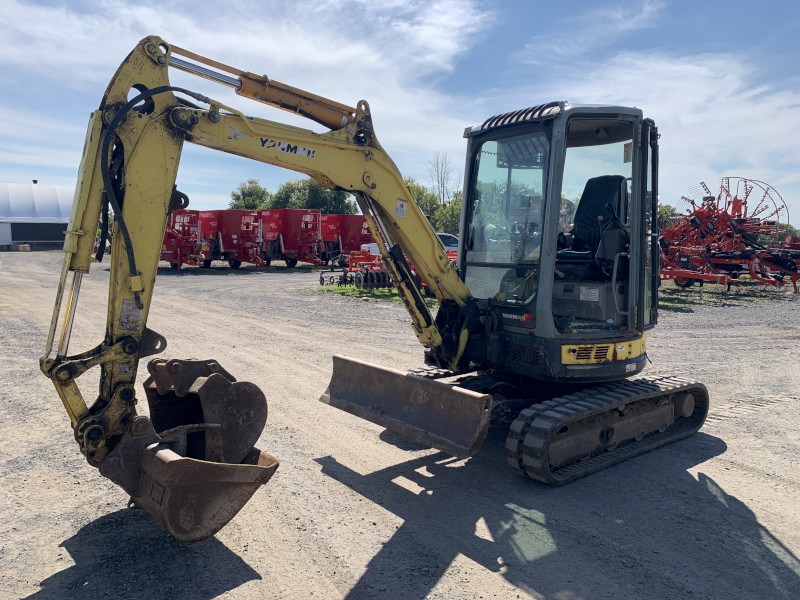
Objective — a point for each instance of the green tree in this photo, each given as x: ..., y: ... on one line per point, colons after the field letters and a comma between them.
x: 787, y: 229
x: 666, y: 215
x: 290, y: 194
x: 428, y: 202
x: 307, y: 193
x: 447, y: 217
x: 250, y: 195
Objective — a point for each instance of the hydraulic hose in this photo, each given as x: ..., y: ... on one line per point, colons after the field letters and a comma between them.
x: 111, y: 194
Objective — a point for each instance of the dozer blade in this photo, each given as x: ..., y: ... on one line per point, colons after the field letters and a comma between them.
x: 431, y: 413
x: 195, y: 464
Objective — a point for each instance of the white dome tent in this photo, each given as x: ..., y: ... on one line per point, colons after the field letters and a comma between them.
x: 34, y: 214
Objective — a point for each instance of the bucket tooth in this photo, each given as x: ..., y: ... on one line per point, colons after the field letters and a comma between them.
x: 431, y: 413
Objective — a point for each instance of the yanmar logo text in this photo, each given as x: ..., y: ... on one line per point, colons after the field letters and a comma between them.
x: 286, y: 147
x: 526, y: 318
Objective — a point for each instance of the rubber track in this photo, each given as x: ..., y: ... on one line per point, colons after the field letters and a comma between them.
x: 529, y: 438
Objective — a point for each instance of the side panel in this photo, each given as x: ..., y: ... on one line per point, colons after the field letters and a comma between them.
x: 5, y: 234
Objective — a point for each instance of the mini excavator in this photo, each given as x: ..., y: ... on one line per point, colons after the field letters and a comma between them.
x: 541, y: 322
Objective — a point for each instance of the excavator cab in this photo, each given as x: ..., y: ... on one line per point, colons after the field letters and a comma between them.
x: 558, y: 248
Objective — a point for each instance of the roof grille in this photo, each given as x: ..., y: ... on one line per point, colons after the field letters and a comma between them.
x: 550, y: 110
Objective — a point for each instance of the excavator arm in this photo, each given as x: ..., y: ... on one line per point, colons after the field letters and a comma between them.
x: 193, y: 462
x: 352, y: 160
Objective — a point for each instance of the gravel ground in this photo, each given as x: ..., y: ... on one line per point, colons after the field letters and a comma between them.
x: 355, y: 513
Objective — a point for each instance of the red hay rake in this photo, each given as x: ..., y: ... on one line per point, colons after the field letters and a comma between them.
x: 731, y: 234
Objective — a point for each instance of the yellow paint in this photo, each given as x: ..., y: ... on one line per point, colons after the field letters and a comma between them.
x: 592, y: 354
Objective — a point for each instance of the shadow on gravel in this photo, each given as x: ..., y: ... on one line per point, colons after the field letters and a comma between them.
x: 127, y: 554
x: 227, y: 272
x: 644, y: 529
x: 676, y: 309
x: 398, y: 441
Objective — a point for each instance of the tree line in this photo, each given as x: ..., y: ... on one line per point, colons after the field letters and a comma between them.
x: 441, y: 202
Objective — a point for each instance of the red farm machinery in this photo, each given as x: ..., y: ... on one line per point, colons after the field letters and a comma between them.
x: 364, y: 269
x: 259, y: 237
x: 341, y: 235
x: 181, y: 239
x: 291, y: 235
x: 729, y: 235
x: 230, y: 235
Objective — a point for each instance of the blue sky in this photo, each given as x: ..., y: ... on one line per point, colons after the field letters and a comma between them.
x: 720, y: 79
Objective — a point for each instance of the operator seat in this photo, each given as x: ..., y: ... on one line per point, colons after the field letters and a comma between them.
x: 587, y: 228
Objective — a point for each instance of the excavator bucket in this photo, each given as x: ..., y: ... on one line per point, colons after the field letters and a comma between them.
x: 193, y: 464
x: 429, y: 412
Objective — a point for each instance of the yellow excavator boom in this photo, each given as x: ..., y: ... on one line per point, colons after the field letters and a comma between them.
x: 193, y: 463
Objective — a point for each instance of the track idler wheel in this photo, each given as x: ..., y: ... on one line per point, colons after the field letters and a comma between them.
x: 193, y: 465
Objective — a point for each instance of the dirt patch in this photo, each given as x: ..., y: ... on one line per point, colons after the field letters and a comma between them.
x: 354, y: 513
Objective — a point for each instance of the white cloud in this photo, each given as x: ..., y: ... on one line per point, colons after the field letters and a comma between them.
x: 57, y: 44
x: 589, y: 31
x: 340, y: 41
x: 714, y: 119
x: 388, y: 52
x: 38, y: 146
x: 20, y: 124
x: 713, y: 116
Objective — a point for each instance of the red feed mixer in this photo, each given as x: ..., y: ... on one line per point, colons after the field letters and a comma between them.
x: 181, y: 239
x: 341, y: 235
x: 730, y: 235
x: 258, y: 237
x: 289, y: 234
x: 230, y: 235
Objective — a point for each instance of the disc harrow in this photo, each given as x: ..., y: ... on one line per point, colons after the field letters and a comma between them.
x: 363, y: 270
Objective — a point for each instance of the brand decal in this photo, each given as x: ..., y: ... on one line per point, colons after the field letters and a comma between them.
x: 525, y: 318
x: 236, y: 134
x: 286, y: 147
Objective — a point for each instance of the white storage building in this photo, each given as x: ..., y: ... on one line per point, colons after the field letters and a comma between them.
x: 34, y: 214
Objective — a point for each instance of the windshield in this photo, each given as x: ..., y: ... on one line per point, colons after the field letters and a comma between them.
x: 505, y: 217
